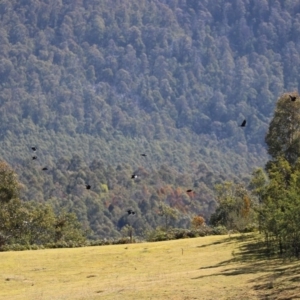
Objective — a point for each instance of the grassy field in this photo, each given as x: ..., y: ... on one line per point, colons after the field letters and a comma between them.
x: 215, y: 267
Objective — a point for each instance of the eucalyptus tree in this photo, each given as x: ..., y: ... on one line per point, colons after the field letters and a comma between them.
x: 235, y: 206
x: 283, y: 136
x: 9, y: 185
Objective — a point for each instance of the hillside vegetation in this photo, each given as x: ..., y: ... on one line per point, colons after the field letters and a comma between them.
x: 93, y: 84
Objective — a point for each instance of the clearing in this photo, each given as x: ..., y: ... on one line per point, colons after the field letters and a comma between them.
x: 213, y: 267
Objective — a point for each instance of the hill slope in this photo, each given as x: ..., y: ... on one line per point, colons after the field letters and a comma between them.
x: 96, y: 83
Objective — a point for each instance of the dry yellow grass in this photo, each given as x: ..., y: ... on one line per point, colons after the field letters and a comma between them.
x: 215, y: 267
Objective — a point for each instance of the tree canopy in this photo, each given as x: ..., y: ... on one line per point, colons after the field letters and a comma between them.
x: 278, y: 194
x: 9, y: 185
x: 93, y: 84
x: 283, y: 137
x: 30, y: 223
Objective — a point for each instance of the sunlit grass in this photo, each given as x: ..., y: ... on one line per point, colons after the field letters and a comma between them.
x: 215, y: 267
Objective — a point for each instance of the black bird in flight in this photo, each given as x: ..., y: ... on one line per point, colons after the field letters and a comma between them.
x: 293, y: 98
x: 45, y: 169
x: 143, y: 154
x: 243, y: 123
x: 33, y: 148
x: 133, y: 176
x: 130, y: 212
x: 34, y: 157
x: 88, y: 187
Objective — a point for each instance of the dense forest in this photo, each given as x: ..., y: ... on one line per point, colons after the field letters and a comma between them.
x: 93, y: 84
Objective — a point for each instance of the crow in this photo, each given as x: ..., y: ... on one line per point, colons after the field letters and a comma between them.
x: 243, y: 123
x: 45, y: 169
x: 189, y: 191
x: 130, y: 212
x: 293, y: 98
x: 143, y: 154
x: 88, y: 187
x: 33, y: 148
x: 34, y: 157
x: 133, y: 176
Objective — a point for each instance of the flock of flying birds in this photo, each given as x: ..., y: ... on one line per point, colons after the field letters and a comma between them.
x: 133, y: 176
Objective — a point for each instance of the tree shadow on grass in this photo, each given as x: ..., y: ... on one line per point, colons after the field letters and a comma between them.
x: 214, y: 243
x: 227, y: 240
x: 280, y: 279
x: 280, y: 283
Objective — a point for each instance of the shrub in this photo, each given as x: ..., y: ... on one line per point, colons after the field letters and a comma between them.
x: 219, y: 230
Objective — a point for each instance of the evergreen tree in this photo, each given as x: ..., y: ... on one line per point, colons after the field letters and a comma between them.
x: 283, y: 137
x: 279, y: 197
x: 235, y: 210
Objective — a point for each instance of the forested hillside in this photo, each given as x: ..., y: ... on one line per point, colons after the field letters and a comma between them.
x: 95, y: 83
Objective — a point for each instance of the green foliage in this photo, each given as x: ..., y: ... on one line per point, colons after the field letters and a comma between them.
x: 157, y: 235
x: 36, y: 224
x: 236, y: 208
x: 279, y: 211
x: 283, y: 137
x: 68, y: 228
x: 168, y: 213
x: 127, y: 231
x: 257, y: 187
x: 258, y: 183
x: 160, y: 234
x: 29, y: 223
x: 279, y: 196
x: 95, y: 85
x: 9, y: 186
